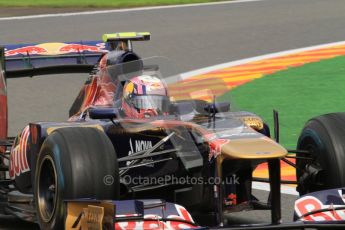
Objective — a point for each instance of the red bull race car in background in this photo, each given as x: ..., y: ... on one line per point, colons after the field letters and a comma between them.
x: 142, y: 146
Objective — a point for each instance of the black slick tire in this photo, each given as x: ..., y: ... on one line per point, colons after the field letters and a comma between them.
x: 323, y: 137
x: 73, y: 163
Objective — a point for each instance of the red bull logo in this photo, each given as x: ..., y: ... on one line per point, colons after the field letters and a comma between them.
x: 54, y: 49
x: 18, y: 158
x: 26, y: 50
x: 76, y: 48
x: 216, y: 148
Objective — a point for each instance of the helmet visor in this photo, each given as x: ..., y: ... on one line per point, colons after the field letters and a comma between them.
x: 157, y: 102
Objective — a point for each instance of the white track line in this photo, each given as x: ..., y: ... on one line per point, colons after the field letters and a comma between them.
x: 124, y: 10
x: 283, y: 188
x: 258, y: 58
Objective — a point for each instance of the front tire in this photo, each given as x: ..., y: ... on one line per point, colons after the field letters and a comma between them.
x: 324, y: 138
x: 74, y: 162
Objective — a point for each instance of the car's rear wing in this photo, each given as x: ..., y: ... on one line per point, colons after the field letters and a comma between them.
x: 50, y: 58
x: 27, y: 60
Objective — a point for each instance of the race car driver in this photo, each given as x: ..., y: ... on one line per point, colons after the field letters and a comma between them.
x: 144, y: 96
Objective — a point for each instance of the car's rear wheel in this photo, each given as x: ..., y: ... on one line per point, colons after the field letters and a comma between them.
x: 323, y: 164
x: 74, y: 162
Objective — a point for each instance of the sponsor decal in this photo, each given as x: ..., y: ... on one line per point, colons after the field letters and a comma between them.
x: 309, y: 203
x: 158, y: 224
x: 18, y: 158
x: 139, y: 145
x: 76, y: 48
x: 230, y: 200
x: 263, y: 153
x: 55, y: 49
x: 216, y: 148
x: 26, y: 50
x: 253, y: 122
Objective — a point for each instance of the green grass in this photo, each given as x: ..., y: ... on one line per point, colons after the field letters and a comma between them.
x: 95, y: 3
x: 297, y: 93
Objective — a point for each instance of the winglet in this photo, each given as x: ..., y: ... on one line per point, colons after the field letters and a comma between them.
x: 123, y: 36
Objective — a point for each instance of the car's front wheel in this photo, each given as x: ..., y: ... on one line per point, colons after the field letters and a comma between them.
x: 322, y: 166
x: 74, y: 162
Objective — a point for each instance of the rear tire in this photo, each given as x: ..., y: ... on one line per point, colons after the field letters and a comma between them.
x: 324, y: 138
x: 74, y: 162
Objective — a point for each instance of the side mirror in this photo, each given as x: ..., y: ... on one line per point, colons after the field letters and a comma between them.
x: 217, y: 107
x: 103, y: 113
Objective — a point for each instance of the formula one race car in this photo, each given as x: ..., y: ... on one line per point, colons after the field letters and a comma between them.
x: 136, y: 131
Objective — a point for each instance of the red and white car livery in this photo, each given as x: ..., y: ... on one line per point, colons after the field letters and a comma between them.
x: 322, y: 206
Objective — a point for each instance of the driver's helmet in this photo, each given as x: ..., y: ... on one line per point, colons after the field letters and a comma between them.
x: 145, y: 96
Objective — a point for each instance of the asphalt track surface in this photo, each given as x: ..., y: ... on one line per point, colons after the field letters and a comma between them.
x: 193, y: 37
